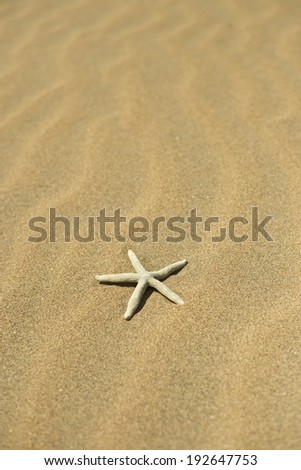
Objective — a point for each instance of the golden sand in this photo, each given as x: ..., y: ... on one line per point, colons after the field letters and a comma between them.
x: 155, y: 107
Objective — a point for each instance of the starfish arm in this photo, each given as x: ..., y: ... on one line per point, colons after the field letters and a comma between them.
x: 135, y: 262
x: 164, y: 290
x: 112, y: 278
x: 135, y: 299
x: 164, y: 272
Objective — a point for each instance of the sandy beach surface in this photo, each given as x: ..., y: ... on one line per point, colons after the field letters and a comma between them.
x: 154, y: 107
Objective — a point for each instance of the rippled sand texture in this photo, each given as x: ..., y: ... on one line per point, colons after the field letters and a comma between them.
x: 155, y: 107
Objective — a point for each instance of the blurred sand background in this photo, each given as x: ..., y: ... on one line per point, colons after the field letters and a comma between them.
x: 155, y: 107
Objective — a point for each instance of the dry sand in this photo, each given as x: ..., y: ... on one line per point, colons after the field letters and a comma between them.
x: 155, y: 107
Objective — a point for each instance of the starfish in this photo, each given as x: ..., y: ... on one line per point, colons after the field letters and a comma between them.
x: 144, y: 279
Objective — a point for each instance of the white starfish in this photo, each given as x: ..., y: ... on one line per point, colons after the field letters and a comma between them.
x: 144, y: 279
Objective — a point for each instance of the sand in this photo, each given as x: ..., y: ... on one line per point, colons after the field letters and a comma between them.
x: 155, y: 107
